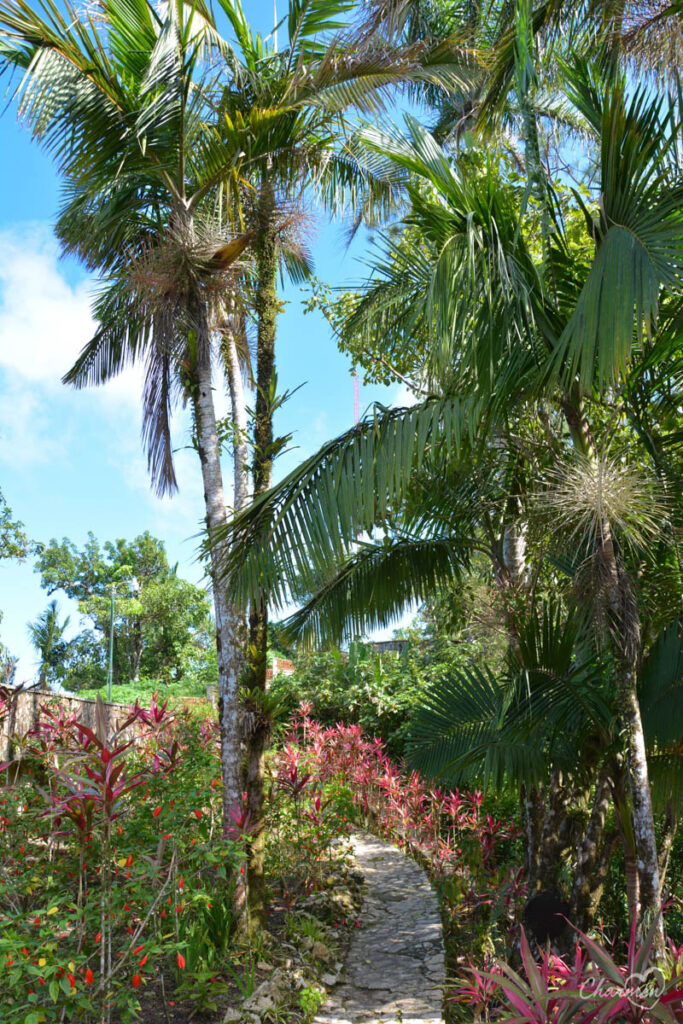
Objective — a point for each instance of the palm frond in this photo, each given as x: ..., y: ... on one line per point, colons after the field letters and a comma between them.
x: 661, y: 688
x: 457, y: 735
x: 308, y: 521
x: 639, y: 239
x: 374, y: 586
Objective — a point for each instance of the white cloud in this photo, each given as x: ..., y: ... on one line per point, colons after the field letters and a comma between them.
x: 26, y: 436
x: 44, y: 321
x: 403, y: 396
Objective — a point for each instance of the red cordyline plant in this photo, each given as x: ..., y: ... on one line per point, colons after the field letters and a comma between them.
x: 430, y: 823
x: 64, y: 956
x: 592, y: 987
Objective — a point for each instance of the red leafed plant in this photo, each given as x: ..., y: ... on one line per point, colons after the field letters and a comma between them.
x: 592, y: 987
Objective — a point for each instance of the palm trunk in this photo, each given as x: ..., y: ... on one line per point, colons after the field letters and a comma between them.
x: 668, y: 835
x: 533, y: 813
x: 553, y: 834
x: 514, y: 553
x: 212, y: 477
x: 625, y: 630
x: 591, y: 859
x: 643, y: 818
x: 238, y: 408
x: 259, y: 732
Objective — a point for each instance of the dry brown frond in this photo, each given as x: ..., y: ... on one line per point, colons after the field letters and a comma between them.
x: 187, y: 262
x: 652, y: 35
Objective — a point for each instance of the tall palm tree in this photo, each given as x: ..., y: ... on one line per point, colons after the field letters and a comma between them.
x: 304, y: 96
x: 509, y: 330
x: 157, y: 124
x: 46, y: 635
x: 126, y: 98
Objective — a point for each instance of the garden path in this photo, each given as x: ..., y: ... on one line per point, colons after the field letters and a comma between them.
x: 395, y: 968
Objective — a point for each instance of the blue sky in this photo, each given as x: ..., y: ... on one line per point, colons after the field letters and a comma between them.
x: 71, y: 461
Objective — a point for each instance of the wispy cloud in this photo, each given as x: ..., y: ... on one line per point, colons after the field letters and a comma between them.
x: 44, y: 323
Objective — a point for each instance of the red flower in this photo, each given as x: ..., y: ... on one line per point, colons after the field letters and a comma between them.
x: 181, y: 961
x: 144, y: 960
x: 157, y: 812
x: 197, y: 813
x: 181, y: 883
x: 72, y: 980
x: 98, y: 937
x: 138, y: 948
x: 136, y: 981
x: 89, y: 977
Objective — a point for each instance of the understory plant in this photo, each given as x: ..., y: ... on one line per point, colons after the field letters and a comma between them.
x: 466, y: 850
x: 115, y: 872
x: 591, y: 986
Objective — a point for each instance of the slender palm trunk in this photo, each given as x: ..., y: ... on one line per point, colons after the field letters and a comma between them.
x: 643, y: 818
x: 668, y: 835
x: 625, y: 632
x: 514, y: 553
x: 259, y: 731
x: 592, y: 856
x: 226, y: 646
x: 238, y: 406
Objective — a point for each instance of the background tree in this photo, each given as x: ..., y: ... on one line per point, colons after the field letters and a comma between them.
x: 160, y: 630
x: 47, y: 636
x: 13, y: 544
x: 507, y: 325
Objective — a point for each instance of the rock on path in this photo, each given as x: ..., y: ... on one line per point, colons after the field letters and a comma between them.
x: 395, y: 968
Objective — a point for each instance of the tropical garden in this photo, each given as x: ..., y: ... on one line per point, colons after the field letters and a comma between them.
x: 515, y: 171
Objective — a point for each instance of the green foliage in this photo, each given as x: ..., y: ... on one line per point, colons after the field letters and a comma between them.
x: 379, y: 691
x: 92, y: 570
x: 13, y: 541
x: 162, y: 629
x: 46, y: 635
x: 139, y: 870
x: 310, y: 1001
x: 192, y: 685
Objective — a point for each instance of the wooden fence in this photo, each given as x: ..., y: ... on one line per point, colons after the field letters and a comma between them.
x: 25, y: 711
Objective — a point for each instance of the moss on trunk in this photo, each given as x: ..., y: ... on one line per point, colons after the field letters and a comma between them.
x: 258, y: 728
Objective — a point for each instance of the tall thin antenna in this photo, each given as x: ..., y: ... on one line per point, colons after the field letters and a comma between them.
x: 275, y: 23
x: 356, y: 397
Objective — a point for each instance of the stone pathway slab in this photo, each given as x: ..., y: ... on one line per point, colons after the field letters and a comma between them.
x: 395, y: 968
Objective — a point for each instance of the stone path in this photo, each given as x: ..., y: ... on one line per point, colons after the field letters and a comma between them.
x: 395, y: 967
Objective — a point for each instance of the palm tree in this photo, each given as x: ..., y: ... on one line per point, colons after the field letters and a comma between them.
x: 547, y: 723
x: 303, y: 97
x: 157, y: 123
x: 507, y: 330
x: 125, y: 100
x: 46, y: 635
